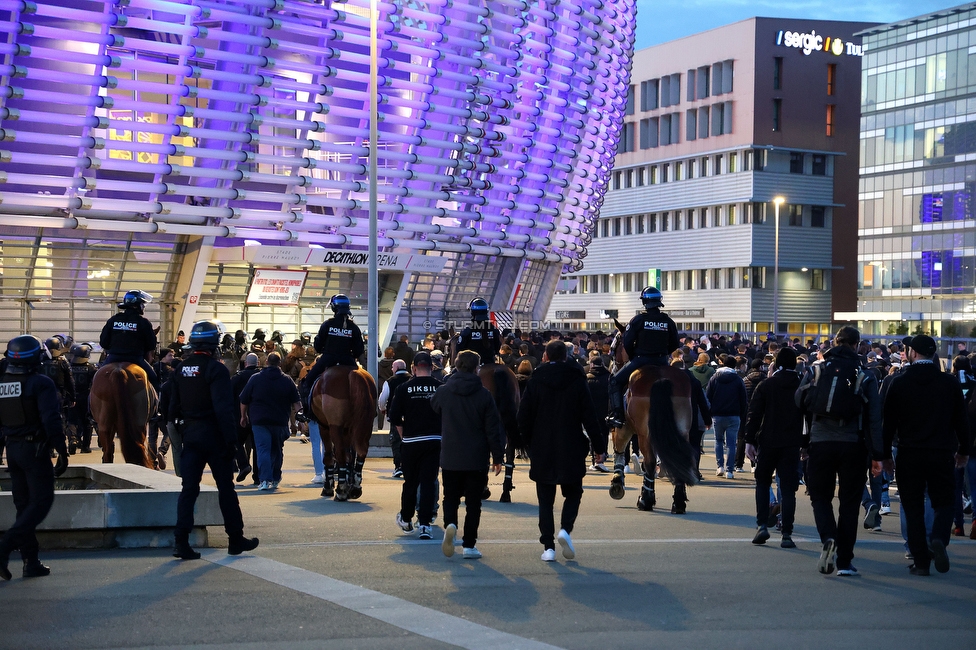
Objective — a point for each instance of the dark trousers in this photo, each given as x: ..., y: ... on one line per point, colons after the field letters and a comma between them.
x: 830, y: 463
x: 740, y: 447
x: 421, y: 461
x: 918, y: 470
x: 546, y: 493
x: 32, y: 482
x: 200, y: 448
x: 396, y: 448
x: 77, y: 418
x: 695, y: 439
x: 469, y: 485
x: 785, y: 461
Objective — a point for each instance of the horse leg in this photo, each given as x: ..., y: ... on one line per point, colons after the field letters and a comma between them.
x: 356, y: 477
x: 619, y: 463
x: 507, y: 485
x: 342, y: 485
x: 680, y: 498
x: 646, y: 500
x: 328, y: 487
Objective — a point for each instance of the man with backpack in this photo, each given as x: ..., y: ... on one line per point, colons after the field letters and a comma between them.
x: 842, y: 408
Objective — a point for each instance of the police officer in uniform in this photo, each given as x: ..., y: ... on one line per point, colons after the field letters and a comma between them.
x: 339, y: 341
x: 202, y: 404
x: 648, y: 340
x: 82, y: 373
x: 480, y: 336
x: 30, y: 424
x: 129, y: 337
x: 55, y: 366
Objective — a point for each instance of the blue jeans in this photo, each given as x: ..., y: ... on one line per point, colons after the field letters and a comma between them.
x: 726, y: 431
x: 268, y: 442
x: 316, y: 439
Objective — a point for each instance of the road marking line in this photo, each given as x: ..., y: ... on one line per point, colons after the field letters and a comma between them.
x: 587, y: 542
x: 403, y: 614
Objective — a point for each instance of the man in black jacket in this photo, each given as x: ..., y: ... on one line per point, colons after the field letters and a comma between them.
x: 420, y: 429
x: 598, y: 382
x: 551, y: 416
x: 925, y: 415
x: 775, y: 426
x: 471, y: 431
x: 245, y: 435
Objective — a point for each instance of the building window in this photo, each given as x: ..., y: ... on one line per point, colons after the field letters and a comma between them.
x: 817, y: 279
x: 654, y: 175
x: 641, y: 176
x: 701, y: 91
x: 649, y: 95
x: 758, y: 213
x: 665, y: 218
x: 796, y: 215
x: 830, y: 119
x: 818, y: 216
x: 730, y: 278
x: 727, y: 76
x: 819, y: 164
x: 616, y: 227
x: 648, y: 133
x: 831, y: 78
x: 665, y: 91
x: 626, y: 143
x: 690, y: 81
x: 629, y: 178
x: 693, y: 168
x: 703, y: 218
x: 604, y: 227
x: 777, y: 114
x: 631, y: 92
x: 679, y: 169
x: 759, y: 160
x: 640, y: 224
x: 665, y: 138
x: 704, y: 166
x: 778, y: 73
x: 796, y: 162
x: 730, y: 215
x: 675, y: 89
x: 689, y: 219
x: 716, y: 78
x: 665, y: 172
x: 758, y: 274
x: 703, y: 122
x: 717, y: 167
x: 629, y: 226
x: 616, y: 180
x: 652, y: 223
x: 691, y: 124
x: 605, y: 283
x: 733, y: 159
x: 717, y: 118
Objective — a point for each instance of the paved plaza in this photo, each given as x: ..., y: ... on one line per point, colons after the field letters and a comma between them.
x: 333, y: 574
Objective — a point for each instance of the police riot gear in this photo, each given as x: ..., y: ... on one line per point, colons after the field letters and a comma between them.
x: 479, y: 309
x: 81, y: 353
x: 481, y: 337
x: 135, y: 300
x: 259, y: 334
x: 206, y: 335
x: 340, y: 304
x: 59, y: 371
x: 55, y: 346
x: 23, y: 354
x: 651, y: 297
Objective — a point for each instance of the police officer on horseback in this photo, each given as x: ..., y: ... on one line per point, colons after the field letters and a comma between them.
x: 339, y: 341
x: 648, y: 340
x: 30, y: 424
x: 82, y: 372
x: 202, y: 404
x: 129, y: 337
x: 481, y: 335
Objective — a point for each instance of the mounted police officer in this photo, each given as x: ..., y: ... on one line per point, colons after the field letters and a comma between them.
x: 30, y: 424
x: 82, y: 372
x: 339, y: 341
x: 129, y: 337
x: 202, y: 404
x: 480, y: 336
x: 648, y: 340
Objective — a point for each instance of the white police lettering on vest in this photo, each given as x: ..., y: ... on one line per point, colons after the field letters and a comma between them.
x: 10, y: 390
x: 476, y: 335
x: 191, y: 371
x: 656, y: 327
x: 125, y: 327
x: 338, y: 331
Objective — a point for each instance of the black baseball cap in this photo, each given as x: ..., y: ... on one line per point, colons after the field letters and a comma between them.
x: 422, y: 359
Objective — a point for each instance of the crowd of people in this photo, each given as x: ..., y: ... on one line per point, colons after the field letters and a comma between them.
x: 825, y: 414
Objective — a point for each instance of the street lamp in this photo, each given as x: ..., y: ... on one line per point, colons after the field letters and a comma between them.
x: 777, y: 201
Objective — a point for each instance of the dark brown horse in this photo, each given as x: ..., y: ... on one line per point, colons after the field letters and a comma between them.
x: 122, y: 401
x: 659, y: 413
x: 344, y: 404
x: 503, y: 386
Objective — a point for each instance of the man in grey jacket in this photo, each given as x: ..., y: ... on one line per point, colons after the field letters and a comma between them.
x: 471, y: 430
x: 838, y: 454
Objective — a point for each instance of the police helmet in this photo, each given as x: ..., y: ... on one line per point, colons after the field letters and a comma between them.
x: 23, y: 354
x: 205, y: 335
x: 306, y: 337
x: 240, y: 337
x: 259, y: 334
x: 66, y: 339
x: 81, y: 352
x: 479, y: 309
x: 651, y: 297
x: 55, y: 345
x: 135, y: 299
x: 277, y: 336
x: 340, y: 304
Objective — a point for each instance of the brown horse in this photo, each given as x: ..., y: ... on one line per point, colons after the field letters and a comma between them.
x: 344, y: 404
x: 122, y: 401
x: 659, y: 413
x: 503, y: 386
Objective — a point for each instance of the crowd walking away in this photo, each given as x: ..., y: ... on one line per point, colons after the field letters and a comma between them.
x: 886, y: 427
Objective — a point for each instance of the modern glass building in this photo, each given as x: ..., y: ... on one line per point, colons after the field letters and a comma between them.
x: 214, y: 153
x: 717, y: 125
x: 916, y: 229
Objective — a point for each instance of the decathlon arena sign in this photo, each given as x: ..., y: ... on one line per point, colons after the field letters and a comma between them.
x: 814, y: 42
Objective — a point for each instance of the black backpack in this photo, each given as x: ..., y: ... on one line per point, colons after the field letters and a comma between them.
x: 836, y: 391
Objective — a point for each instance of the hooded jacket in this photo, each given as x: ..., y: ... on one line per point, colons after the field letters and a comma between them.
x: 471, y: 428
x: 774, y: 418
x: 703, y: 373
x: 925, y: 409
x: 555, y: 408
x: 727, y: 394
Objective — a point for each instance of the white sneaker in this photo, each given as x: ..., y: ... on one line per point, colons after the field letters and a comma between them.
x: 264, y: 486
x: 720, y: 472
x: 274, y: 485
x: 566, y: 543
x: 405, y: 526
x: 424, y: 532
x: 599, y: 467
x: 635, y: 464
x: 549, y: 555
x: 318, y: 479
x: 447, y: 546
x: 471, y: 554
x: 729, y: 475
x: 885, y: 510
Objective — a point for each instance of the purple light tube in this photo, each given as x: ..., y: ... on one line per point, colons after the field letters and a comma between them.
x: 68, y: 13
x: 122, y: 205
x: 115, y: 164
x: 56, y: 139
x: 164, y: 26
x: 70, y: 35
x: 178, y: 8
x: 53, y: 118
x: 24, y: 158
x: 130, y: 186
x: 37, y: 200
x: 210, y: 212
x: 65, y: 182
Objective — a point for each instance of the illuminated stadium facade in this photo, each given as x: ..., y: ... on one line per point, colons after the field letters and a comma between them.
x: 184, y: 147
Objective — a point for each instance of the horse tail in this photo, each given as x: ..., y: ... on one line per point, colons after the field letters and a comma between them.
x: 125, y: 422
x: 507, y: 401
x: 362, y: 398
x: 676, y: 454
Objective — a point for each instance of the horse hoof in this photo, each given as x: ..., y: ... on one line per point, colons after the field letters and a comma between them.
x: 616, y: 491
x: 328, y: 491
x: 340, y: 497
x: 355, y: 493
x: 506, y: 497
x: 678, y: 509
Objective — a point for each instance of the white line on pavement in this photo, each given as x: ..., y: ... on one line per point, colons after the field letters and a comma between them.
x: 403, y: 614
x: 586, y: 542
